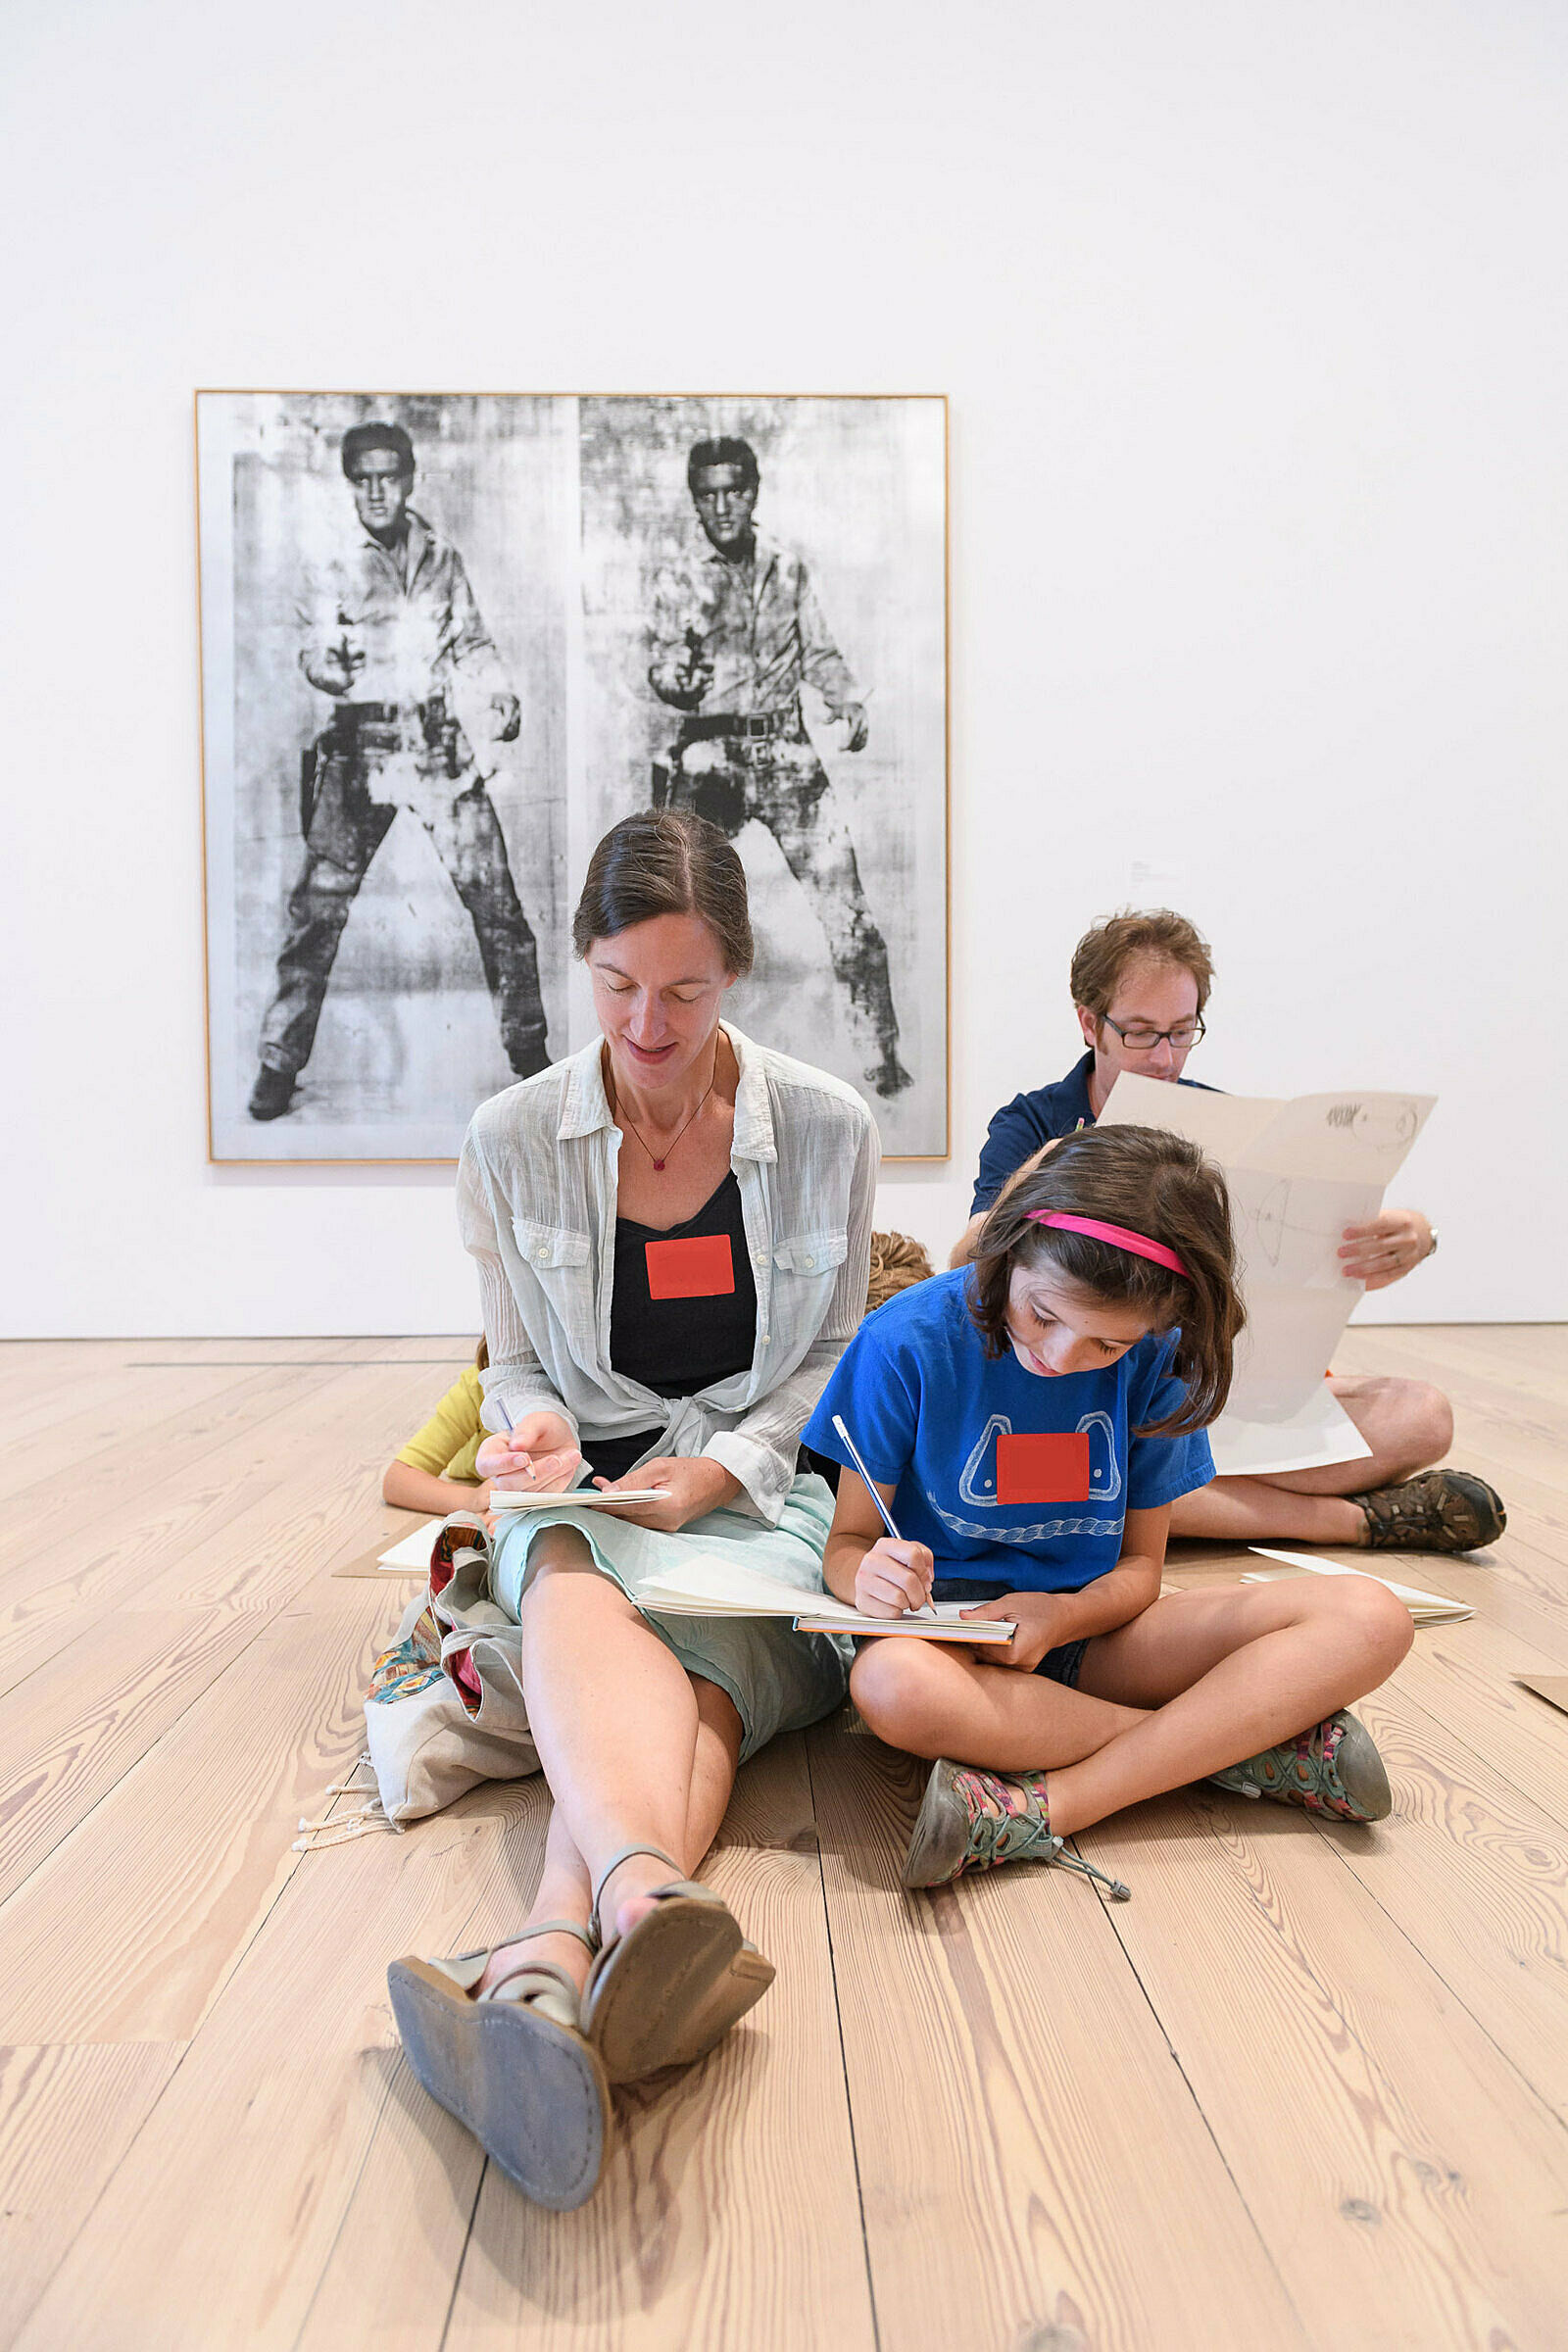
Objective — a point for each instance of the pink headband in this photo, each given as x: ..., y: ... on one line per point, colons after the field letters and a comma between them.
x: 1119, y: 1235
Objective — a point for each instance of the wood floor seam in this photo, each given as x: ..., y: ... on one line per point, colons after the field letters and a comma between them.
x: 844, y: 2063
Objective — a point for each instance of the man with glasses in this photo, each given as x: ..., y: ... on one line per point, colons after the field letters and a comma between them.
x: 1139, y: 983
x: 393, y: 636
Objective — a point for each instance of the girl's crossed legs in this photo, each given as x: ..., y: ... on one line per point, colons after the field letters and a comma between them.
x: 1195, y: 1682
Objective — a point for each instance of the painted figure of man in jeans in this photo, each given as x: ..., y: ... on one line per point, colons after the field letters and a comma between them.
x: 393, y: 635
x: 737, y: 634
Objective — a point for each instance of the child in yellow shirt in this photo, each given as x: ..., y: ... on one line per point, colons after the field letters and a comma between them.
x: 435, y: 1470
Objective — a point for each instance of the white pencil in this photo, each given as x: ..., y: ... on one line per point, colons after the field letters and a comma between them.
x: 930, y: 1608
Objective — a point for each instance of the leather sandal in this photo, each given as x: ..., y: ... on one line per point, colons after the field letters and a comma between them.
x: 668, y: 1990
x: 512, y: 2063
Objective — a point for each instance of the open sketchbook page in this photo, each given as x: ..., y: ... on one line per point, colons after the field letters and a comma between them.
x: 715, y: 1588
x: 1427, y: 1608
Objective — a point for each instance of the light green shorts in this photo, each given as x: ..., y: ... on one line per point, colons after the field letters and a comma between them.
x: 778, y: 1680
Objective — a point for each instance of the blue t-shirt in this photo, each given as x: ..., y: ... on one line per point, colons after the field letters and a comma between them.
x: 1030, y: 1120
x: 925, y: 1405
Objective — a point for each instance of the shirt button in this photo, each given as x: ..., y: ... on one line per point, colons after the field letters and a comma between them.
x: 811, y: 1261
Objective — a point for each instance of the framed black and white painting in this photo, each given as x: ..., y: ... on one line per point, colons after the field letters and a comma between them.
x: 448, y: 639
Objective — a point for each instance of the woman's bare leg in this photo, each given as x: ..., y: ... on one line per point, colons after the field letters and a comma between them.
x: 1408, y: 1425
x: 563, y: 1890
x: 618, y: 1724
x: 1197, y: 1683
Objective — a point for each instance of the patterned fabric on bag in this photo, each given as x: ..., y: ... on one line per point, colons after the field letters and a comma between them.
x: 415, y: 1663
x: 409, y: 1666
x: 438, y: 1721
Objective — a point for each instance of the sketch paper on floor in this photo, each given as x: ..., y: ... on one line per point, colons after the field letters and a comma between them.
x: 449, y: 640
x: 1427, y: 1608
x: 1298, y: 1173
x: 412, y: 1551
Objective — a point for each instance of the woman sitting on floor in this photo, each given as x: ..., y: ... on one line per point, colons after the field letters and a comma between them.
x: 437, y: 1470
x: 673, y: 1230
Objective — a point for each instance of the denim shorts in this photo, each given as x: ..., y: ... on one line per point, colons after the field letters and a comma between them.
x: 1062, y: 1665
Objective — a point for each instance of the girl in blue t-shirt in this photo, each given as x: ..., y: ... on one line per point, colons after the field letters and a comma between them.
x: 1028, y: 1421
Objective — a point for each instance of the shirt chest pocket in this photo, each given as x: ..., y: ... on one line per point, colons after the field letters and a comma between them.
x: 805, y: 1269
x: 557, y: 1256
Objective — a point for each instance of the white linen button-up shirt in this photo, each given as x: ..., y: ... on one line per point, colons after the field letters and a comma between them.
x: 536, y: 1205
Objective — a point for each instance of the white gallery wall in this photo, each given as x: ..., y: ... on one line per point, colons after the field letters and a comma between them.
x: 1252, y: 322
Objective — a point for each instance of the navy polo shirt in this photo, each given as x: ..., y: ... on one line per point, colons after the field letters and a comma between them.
x: 1022, y: 1126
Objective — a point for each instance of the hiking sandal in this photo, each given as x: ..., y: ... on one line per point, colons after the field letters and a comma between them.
x: 974, y: 1820
x: 1333, y: 1769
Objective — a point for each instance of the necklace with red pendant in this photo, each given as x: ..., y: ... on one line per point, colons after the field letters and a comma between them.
x: 617, y: 1113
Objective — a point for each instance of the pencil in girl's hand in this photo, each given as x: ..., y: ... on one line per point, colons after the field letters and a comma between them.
x: 885, y: 1515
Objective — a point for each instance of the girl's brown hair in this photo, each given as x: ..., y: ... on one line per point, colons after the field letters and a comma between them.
x: 666, y: 862
x: 1158, y: 1185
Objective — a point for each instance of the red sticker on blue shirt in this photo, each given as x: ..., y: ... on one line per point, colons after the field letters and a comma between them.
x: 1052, y: 1468
x: 701, y: 1266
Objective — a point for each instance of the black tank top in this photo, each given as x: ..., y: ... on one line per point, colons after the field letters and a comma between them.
x: 676, y: 1346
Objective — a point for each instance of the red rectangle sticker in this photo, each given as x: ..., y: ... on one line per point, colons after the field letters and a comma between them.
x: 700, y: 1267
x: 1043, y: 1469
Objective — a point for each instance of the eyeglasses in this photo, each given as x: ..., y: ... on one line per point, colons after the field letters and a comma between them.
x: 1140, y: 1040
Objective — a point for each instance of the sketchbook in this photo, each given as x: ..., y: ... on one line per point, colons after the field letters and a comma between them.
x: 1427, y: 1608
x: 588, y: 1498
x: 714, y: 1587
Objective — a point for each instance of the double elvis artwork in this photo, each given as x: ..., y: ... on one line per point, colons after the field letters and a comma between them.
x: 448, y: 639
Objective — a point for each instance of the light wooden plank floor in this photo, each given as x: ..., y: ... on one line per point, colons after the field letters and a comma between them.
x: 1309, y: 2088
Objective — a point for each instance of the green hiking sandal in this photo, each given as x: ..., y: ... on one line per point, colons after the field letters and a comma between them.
x: 1441, y: 1511
x: 974, y: 1820
x: 1334, y: 1769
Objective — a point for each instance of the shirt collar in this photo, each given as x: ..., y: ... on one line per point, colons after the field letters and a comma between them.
x: 586, y: 1108
x: 765, y: 552
x: 1074, y: 1089
x: 417, y: 542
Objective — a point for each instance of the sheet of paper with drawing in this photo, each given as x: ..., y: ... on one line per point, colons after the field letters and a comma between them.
x: 1298, y: 1173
